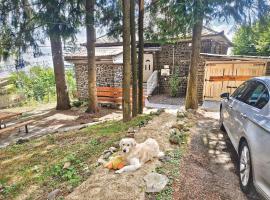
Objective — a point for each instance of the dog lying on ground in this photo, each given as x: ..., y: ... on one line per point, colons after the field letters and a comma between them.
x: 136, y: 154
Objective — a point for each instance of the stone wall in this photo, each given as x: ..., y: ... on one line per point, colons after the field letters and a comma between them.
x: 108, y: 75
x: 181, y: 62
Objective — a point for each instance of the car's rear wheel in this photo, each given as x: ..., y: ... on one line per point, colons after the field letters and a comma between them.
x: 245, y: 168
x: 221, y: 119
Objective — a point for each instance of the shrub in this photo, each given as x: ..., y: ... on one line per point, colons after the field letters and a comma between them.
x: 71, y: 83
x: 39, y: 83
x: 174, y: 83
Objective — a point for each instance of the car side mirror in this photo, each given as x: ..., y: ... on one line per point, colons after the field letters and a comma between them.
x: 225, y: 95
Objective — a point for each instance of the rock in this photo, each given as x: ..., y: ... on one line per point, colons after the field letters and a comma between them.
x: 113, y: 149
x: 22, y: 141
x: 36, y: 169
x: 52, y: 195
x: 165, y: 158
x: 70, y: 188
x: 192, y: 111
x: 130, y: 135
x: 158, y: 112
x: 116, y: 144
x: 107, y: 154
x: 181, y: 115
x: 95, y: 120
x: 66, y: 165
x: 178, y: 126
x: 101, y: 161
x: 1, y: 188
x: 186, y: 129
x: 155, y: 182
x: 131, y: 130
x: 161, y: 110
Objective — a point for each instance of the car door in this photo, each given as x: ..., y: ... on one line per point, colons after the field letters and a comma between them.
x: 239, y: 107
x: 233, y: 105
x: 255, y: 126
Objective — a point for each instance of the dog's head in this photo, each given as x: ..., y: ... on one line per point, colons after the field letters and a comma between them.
x: 127, y: 144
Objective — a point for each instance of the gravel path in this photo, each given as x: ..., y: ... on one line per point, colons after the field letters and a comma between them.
x: 208, y: 171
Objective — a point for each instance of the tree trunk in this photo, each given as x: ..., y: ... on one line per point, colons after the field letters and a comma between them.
x: 191, y: 96
x: 90, y: 45
x: 63, y: 102
x: 141, y: 55
x: 126, y: 61
x: 134, y: 60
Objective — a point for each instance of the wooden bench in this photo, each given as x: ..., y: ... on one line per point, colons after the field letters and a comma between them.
x: 111, y: 95
x: 7, y: 116
x: 19, y: 125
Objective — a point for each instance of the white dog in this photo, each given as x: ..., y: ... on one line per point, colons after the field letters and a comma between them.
x: 137, y: 154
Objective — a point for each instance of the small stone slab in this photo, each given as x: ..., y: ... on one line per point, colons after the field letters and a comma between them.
x: 52, y: 195
x: 155, y: 182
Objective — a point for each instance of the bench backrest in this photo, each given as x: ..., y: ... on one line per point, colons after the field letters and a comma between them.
x: 111, y: 95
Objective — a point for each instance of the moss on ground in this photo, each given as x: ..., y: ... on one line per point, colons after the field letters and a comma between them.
x: 36, y: 168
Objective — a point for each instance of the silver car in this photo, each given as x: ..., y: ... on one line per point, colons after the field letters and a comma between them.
x: 245, y: 115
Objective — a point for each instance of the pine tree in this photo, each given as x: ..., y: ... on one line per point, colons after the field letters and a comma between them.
x: 90, y: 45
x: 134, y: 60
x: 126, y: 61
x: 141, y: 55
x: 60, y: 20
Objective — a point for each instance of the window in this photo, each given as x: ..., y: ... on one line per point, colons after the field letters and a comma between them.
x: 258, y: 97
x: 263, y: 100
x: 240, y: 91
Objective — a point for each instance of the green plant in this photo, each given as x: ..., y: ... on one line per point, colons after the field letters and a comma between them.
x: 39, y: 84
x: 71, y: 83
x: 77, y: 104
x: 174, y: 83
x: 70, y: 173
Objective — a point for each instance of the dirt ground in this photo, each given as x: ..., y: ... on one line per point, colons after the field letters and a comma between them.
x: 107, y: 185
x: 208, y: 170
x: 47, y: 120
x: 166, y: 99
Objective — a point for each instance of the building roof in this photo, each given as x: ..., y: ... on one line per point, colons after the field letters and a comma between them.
x: 113, y: 54
x: 207, y: 33
x: 236, y: 57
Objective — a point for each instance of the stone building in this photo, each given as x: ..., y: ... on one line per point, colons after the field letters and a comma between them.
x: 174, y: 57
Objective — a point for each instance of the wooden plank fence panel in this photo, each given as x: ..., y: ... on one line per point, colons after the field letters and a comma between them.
x: 225, y: 76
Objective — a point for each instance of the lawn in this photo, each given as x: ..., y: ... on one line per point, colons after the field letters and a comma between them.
x: 33, y: 169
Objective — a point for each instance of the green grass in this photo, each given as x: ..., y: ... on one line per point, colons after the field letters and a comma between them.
x: 39, y: 163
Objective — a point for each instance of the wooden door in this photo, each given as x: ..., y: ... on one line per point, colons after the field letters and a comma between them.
x: 226, y: 76
x: 148, y: 66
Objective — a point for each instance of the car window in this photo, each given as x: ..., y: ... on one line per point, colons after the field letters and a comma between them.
x: 239, y: 90
x: 257, y: 95
x: 242, y: 91
x: 263, y: 100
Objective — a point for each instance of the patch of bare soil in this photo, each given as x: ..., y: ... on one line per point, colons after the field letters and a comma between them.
x: 166, y: 99
x: 48, y: 120
x: 72, y: 117
x: 208, y: 170
x: 106, y: 185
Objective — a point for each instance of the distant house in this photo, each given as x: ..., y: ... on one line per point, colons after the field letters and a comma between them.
x: 166, y: 59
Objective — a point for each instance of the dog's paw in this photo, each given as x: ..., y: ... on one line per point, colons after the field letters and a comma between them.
x: 119, y: 171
